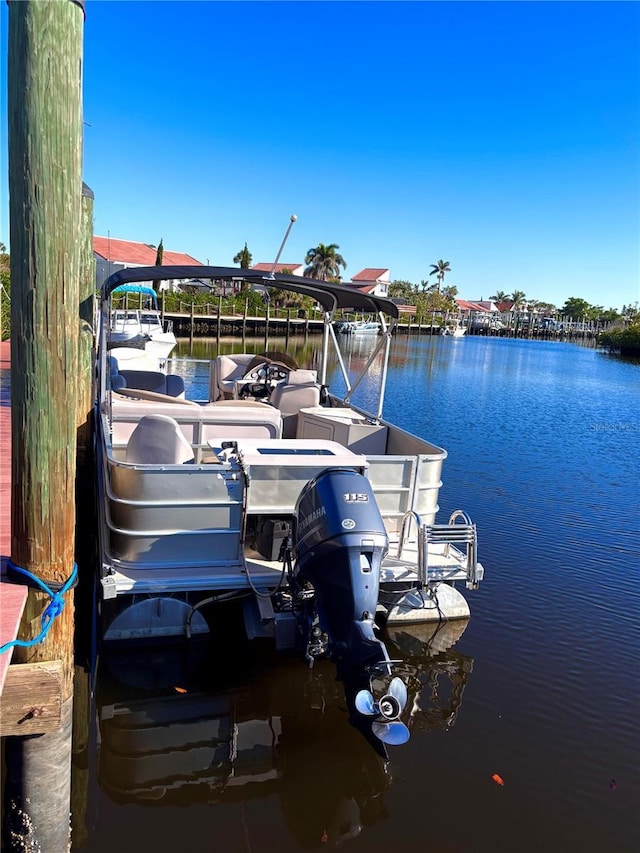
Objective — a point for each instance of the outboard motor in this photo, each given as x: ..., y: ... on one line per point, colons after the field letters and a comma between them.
x: 339, y: 543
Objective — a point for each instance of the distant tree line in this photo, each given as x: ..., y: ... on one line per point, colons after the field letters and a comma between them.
x: 429, y: 298
x: 324, y: 262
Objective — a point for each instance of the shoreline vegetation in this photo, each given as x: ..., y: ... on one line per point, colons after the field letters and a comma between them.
x: 625, y: 341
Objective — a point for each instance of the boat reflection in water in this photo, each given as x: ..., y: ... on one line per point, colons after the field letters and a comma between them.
x: 168, y: 737
x: 437, y: 673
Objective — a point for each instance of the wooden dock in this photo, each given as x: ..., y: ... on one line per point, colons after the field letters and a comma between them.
x: 12, y: 596
x: 23, y: 687
x: 201, y: 322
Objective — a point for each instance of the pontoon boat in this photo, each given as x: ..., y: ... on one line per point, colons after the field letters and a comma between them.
x: 319, y: 515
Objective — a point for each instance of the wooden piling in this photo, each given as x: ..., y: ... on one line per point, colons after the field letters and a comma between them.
x: 86, y: 357
x: 85, y: 547
x: 45, y: 202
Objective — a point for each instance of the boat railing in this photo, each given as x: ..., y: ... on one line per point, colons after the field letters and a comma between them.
x: 409, y: 516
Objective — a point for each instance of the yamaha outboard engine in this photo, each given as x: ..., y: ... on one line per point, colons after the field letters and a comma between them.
x: 339, y: 544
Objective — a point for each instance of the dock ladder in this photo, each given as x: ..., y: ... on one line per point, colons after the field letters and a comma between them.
x: 452, y: 533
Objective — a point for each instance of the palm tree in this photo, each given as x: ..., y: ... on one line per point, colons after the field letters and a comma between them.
x: 324, y: 262
x: 500, y: 296
x: 517, y: 297
x: 244, y: 258
x: 440, y: 270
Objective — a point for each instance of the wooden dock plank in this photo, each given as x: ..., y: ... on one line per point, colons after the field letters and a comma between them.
x: 32, y: 699
x: 12, y: 596
x: 12, y: 600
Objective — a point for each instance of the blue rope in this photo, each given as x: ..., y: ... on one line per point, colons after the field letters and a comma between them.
x: 53, y: 609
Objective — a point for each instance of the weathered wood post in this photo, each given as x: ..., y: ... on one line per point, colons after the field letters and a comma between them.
x: 85, y: 396
x: 45, y: 199
x: 86, y: 357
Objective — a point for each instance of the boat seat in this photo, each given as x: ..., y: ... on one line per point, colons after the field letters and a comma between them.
x: 137, y: 395
x: 300, y: 391
x: 145, y: 380
x: 158, y: 440
x: 225, y: 370
x: 229, y: 419
x: 234, y: 404
x: 153, y: 380
x: 117, y: 379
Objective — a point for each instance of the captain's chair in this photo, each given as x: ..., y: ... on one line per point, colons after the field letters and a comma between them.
x: 299, y: 391
x: 158, y: 440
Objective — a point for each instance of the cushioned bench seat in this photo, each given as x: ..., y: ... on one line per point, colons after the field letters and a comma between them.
x: 199, y: 424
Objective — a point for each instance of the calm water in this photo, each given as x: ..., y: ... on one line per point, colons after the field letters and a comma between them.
x: 542, y: 687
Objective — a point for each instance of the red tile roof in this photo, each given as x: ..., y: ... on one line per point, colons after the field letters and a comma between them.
x: 369, y: 274
x: 465, y: 305
x: 364, y: 288
x: 267, y: 267
x: 138, y: 254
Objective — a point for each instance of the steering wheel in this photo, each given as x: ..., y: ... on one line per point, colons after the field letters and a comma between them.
x: 257, y: 372
x: 262, y: 378
x: 276, y: 372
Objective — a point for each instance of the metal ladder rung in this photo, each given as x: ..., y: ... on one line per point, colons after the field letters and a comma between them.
x: 446, y: 532
x: 455, y: 534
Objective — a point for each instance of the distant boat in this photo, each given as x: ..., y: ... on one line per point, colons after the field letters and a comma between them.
x: 142, y: 328
x: 454, y: 330
x: 361, y: 327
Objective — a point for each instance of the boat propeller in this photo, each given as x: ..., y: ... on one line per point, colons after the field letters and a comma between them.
x: 387, y: 727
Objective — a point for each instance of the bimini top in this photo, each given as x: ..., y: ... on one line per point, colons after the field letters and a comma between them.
x: 330, y: 296
x: 137, y: 288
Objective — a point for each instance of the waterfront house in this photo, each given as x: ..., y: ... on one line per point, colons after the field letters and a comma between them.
x: 111, y: 255
x: 371, y: 280
x: 479, y: 313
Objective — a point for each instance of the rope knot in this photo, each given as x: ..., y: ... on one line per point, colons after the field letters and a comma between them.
x: 53, y: 609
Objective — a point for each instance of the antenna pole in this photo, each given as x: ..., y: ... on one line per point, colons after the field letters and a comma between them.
x: 284, y: 240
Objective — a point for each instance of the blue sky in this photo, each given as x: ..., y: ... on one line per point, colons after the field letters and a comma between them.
x: 503, y: 137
